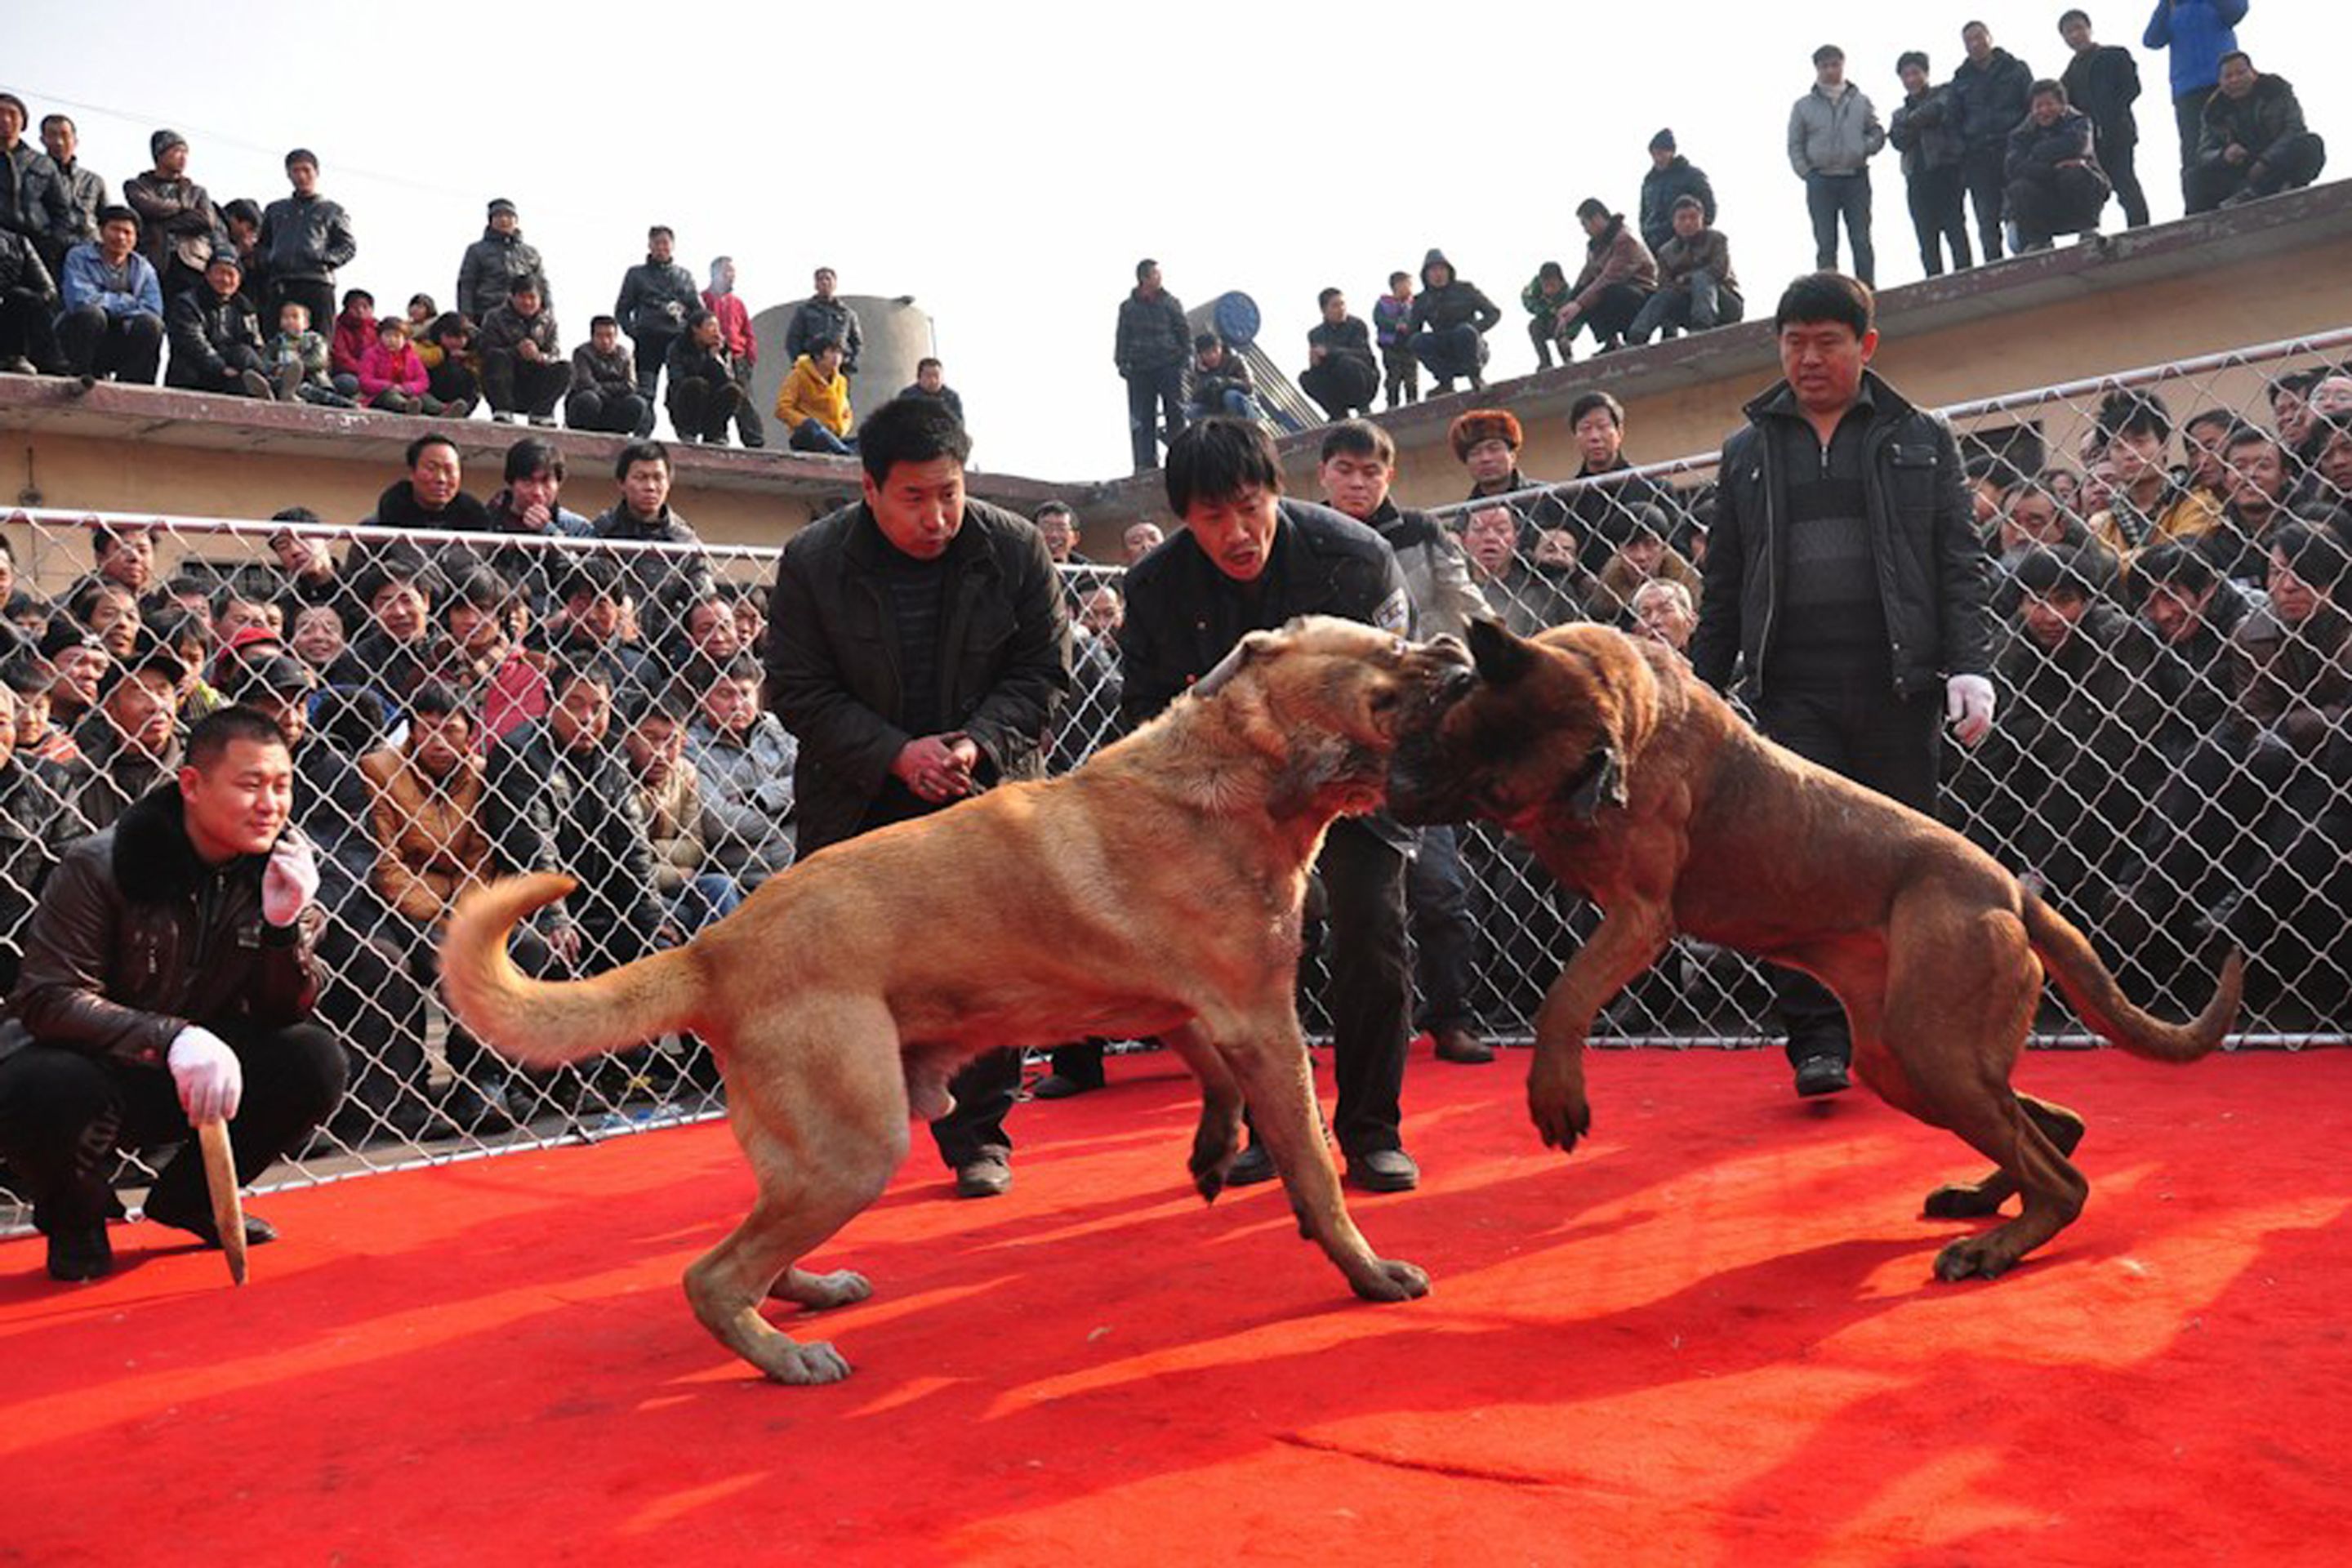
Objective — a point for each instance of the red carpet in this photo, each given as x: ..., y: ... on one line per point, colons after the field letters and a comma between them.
x: 1709, y: 1337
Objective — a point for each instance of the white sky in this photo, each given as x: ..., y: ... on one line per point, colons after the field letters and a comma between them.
x: 1006, y: 163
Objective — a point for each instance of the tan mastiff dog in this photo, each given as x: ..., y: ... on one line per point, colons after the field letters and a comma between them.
x: 1156, y: 890
x: 1640, y: 787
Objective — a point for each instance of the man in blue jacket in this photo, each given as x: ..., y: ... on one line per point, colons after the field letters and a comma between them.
x: 2199, y: 32
x: 113, y: 316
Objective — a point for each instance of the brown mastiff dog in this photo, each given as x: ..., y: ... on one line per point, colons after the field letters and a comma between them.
x: 1156, y: 890
x: 1640, y: 787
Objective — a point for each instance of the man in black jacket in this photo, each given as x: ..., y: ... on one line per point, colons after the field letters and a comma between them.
x: 1845, y: 574
x: 305, y: 238
x: 1248, y: 561
x: 821, y: 319
x: 1154, y: 342
x: 2254, y: 143
x: 1927, y: 131
x: 496, y: 263
x: 215, y: 343
x: 657, y: 296
x: 918, y: 649
x: 1341, y: 373
x: 2055, y: 183
x: 169, y: 974
x: 2103, y: 81
x: 1672, y: 177
x: 28, y: 308
x: 1988, y: 92
x: 1449, y: 324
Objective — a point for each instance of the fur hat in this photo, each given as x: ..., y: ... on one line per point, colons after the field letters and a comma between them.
x: 1484, y: 425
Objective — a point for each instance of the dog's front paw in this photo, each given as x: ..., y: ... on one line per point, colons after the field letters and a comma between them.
x: 1974, y: 1258
x: 1962, y: 1200
x: 797, y: 1363
x: 1391, y: 1279
x: 1560, y: 1113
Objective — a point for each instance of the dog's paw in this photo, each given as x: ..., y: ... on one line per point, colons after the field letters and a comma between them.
x: 1973, y: 1257
x: 1560, y: 1120
x: 817, y: 1293
x: 796, y: 1364
x: 1391, y: 1279
x: 1209, y: 1183
x: 1962, y: 1200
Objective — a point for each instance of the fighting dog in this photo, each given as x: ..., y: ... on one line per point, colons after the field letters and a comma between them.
x: 1641, y: 788
x: 1155, y: 891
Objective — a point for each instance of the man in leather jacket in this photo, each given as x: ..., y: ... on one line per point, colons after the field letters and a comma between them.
x: 305, y: 239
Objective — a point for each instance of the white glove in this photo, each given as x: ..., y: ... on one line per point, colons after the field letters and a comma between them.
x: 1968, y: 704
x: 290, y: 882
x: 210, y: 1079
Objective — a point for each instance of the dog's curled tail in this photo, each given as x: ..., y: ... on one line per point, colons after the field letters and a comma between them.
x: 546, y: 1024
x: 2094, y: 994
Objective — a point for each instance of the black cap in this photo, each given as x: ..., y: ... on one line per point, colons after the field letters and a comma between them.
x: 64, y: 632
x: 269, y: 675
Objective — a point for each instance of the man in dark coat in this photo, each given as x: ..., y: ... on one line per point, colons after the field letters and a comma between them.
x: 1448, y: 326
x: 2253, y: 143
x: 169, y: 973
x: 1154, y: 342
x: 821, y: 318
x: 1672, y: 177
x: 1341, y: 376
x: 1845, y: 573
x: 2103, y: 81
x: 918, y: 649
x: 2055, y: 183
x: 1989, y: 94
x: 496, y: 263
x: 1246, y: 561
x: 657, y: 296
x: 215, y: 343
x: 1927, y: 131
x: 304, y: 239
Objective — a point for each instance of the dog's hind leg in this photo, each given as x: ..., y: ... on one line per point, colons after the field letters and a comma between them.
x: 1219, y: 1134
x: 1974, y: 1200
x: 823, y: 1123
x: 1269, y: 1061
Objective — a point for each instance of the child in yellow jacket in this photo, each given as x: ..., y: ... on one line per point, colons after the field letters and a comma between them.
x: 813, y: 402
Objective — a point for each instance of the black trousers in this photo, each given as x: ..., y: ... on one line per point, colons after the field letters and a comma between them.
x: 2189, y: 118
x: 1341, y: 386
x: 2209, y: 184
x: 1152, y: 395
x: 1443, y: 935
x: 1863, y: 731
x: 652, y: 344
x: 514, y: 384
x: 235, y: 359
x: 64, y: 1114
x: 1940, y: 217
x: 616, y: 414
x: 702, y: 407
x: 28, y: 331
x: 453, y: 382
x: 748, y: 428
x: 1610, y: 314
x: 2067, y: 201
x: 2119, y: 156
x: 128, y: 348
x: 1983, y: 172
x: 1371, y: 997
x: 315, y: 295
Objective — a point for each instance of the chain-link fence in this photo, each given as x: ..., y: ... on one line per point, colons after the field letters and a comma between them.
x: 2169, y: 761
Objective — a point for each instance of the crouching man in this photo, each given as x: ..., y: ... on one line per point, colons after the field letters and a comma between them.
x: 168, y: 978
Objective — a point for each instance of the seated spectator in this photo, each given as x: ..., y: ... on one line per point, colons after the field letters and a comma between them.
x: 495, y: 266
x: 243, y: 601
x: 589, y: 628
x: 1619, y: 277
x: 813, y: 402
x: 1447, y: 328
x: 708, y: 640
x: 433, y: 496
x: 745, y: 759
x: 297, y: 360
x: 705, y: 395
x: 193, y: 1011
x: 33, y: 680
x: 215, y: 343
x: 1604, y: 514
x: 2253, y: 143
x: 677, y: 822
x: 1523, y: 600
x: 2326, y: 487
x: 522, y: 366
x: 192, y: 645
x: 1486, y: 442
x: 129, y: 741
x: 422, y: 313
x: 931, y: 381
x: 353, y: 340
x: 2033, y: 518
x: 603, y: 395
x: 474, y: 655
x: 394, y: 653
x: 110, y: 611
x: 643, y: 513
x: 451, y: 351
x: 425, y: 820
x: 2089, y: 732
x: 112, y: 318
x: 530, y: 507
x: 1341, y: 375
x: 2254, y: 486
x: 1221, y: 382
x: 2194, y: 611
x: 2149, y: 502
x: 821, y: 319
x: 395, y: 379
x: 78, y: 667
x: 28, y: 310
x: 1546, y: 295
x: 743, y: 345
x: 751, y: 602
x: 122, y: 552
x: 1664, y: 613
x: 1139, y: 540
x: 1643, y: 558
x: 30, y: 806
x: 1697, y: 290
x: 2054, y: 182
x: 307, y: 570
x: 317, y: 638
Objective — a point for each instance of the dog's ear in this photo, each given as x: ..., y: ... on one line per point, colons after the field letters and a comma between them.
x: 1225, y: 668
x: 1601, y: 781
x: 1501, y: 657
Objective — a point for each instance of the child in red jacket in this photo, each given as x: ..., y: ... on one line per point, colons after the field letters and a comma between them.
x: 393, y: 378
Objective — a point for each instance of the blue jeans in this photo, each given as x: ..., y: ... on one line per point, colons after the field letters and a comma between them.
x: 808, y: 436
x: 1150, y: 395
x: 703, y: 900
x: 1240, y: 404
x: 1699, y: 303
x: 1829, y: 197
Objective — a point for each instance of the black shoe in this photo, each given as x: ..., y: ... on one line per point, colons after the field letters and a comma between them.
x: 1054, y: 1086
x: 1383, y: 1170
x: 1250, y: 1167
x: 1459, y: 1045
x: 77, y: 1255
x: 989, y: 1176
x: 259, y: 1232
x: 1821, y: 1074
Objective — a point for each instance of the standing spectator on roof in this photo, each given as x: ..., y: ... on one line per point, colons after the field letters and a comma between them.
x: 32, y: 196
x: 496, y: 263
x: 2198, y: 33
x: 1672, y: 177
x: 176, y: 218
x: 1149, y: 354
x: 1392, y: 331
x: 1927, y: 131
x: 305, y: 239
x: 821, y: 317
x: 655, y: 295
x: 742, y: 346
x: 1992, y: 90
x: 1834, y: 132
x: 84, y: 191
x: 2103, y: 81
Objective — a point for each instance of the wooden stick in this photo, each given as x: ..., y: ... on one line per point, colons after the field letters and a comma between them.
x: 228, y: 1208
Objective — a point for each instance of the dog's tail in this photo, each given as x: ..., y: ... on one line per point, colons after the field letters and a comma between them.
x: 545, y: 1024
x: 2067, y: 954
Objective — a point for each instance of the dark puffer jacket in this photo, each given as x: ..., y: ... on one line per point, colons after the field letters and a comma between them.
x: 305, y: 239
x: 1990, y: 99
x: 1662, y: 188
x: 1451, y: 304
x: 2037, y: 151
x: 203, y: 327
x: 648, y: 291
x: 2262, y: 123
x: 1152, y: 335
x: 494, y: 264
x: 1927, y: 131
x: 817, y: 320
x: 135, y: 939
